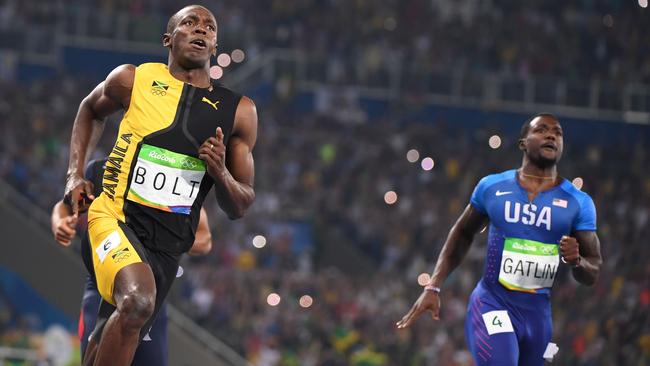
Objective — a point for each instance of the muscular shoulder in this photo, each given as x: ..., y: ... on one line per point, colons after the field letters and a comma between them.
x: 489, y: 183
x: 246, y: 109
x: 493, y: 179
x: 246, y: 119
x: 122, y: 75
x: 119, y: 84
x: 584, y: 199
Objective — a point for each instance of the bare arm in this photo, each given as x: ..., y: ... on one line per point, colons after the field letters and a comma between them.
x: 588, y: 265
x: 233, y: 169
x: 457, y: 244
x: 63, y: 223
x: 203, y: 238
x: 109, y: 96
x: 453, y: 251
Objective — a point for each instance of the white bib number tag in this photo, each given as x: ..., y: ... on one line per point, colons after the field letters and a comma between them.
x: 111, y: 242
x: 497, y: 321
x: 528, y: 265
x: 166, y: 180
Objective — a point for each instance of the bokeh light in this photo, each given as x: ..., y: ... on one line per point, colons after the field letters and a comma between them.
x: 412, y: 155
x: 423, y: 279
x: 390, y: 197
x: 608, y: 21
x: 216, y: 72
x: 494, y: 141
x: 305, y: 301
x: 223, y: 60
x: 259, y: 241
x: 273, y: 299
x: 237, y: 56
x: 427, y: 163
x: 578, y: 182
x: 390, y: 24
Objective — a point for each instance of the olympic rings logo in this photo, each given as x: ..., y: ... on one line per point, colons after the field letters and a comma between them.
x: 188, y: 164
x: 122, y: 257
x: 548, y: 250
x: 158, y: 92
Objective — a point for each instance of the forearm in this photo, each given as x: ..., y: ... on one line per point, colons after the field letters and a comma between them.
x: 85, y: 132
x: 202, y: 245
x: 587, y: 270
x: 452, y: 254
x: 233, y: 196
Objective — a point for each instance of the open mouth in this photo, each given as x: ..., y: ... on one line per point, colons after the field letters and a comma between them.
x: 199, y: 43
x: 549, y: 146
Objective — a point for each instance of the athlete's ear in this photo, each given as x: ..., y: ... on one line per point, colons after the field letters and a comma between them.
x: 166, y: 40
x: 521, y: 145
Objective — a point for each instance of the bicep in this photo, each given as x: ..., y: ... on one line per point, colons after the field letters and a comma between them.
x: 112, y: 94
x: 239, y: 158
x: 471, y: 221
x: 589, y: 243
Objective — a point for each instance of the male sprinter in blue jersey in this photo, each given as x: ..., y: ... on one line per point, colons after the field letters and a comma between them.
x: 537, y: 220
x: 153, y: 351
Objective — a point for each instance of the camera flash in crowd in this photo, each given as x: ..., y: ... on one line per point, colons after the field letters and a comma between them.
x: 423, y: 279
x: 427, y: 164
x: 494, y: 141
x: 306, y: 301
x: 390, y: 197
x: 273, y: 299
x: 259, y: 241
x: 412, y: 156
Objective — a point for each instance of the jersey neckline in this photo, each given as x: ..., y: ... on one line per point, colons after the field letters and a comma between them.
x: 209, y: 88
x: 523, y: 190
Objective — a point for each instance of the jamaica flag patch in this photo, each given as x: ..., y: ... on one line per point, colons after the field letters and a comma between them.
x: 159, y: 88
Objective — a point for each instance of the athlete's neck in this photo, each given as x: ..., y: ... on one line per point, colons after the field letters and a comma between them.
x: 533, y: 173
x: 199, y: 78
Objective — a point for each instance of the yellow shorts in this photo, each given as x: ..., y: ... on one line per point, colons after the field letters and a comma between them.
x: 113, y: 246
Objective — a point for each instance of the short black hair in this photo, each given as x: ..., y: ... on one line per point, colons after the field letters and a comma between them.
x: 173, y: 20
x: 526, y: 126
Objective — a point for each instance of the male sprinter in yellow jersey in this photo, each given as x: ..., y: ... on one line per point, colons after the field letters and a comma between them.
x: 181, y: 134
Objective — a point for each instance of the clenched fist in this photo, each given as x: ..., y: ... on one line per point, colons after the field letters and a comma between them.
x: 569, y: 250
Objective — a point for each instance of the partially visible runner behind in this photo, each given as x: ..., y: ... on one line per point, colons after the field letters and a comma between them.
x: 537, y: 220
x: 182, y: 134
x: 153, y: 350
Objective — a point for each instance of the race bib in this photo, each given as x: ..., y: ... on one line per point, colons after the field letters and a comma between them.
x: 166, y: 180
x: 528, y: 265
x: 497, y: 321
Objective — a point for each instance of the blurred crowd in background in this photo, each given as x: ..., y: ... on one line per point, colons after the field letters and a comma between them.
x: 575, y: 40
x: 321, y: 177
x: 331, y: 176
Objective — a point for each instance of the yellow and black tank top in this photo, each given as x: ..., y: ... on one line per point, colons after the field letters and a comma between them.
x: 154, y: 180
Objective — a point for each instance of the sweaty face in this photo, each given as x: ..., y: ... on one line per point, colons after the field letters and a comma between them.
x: 544, y: 142
x: 194, y: 38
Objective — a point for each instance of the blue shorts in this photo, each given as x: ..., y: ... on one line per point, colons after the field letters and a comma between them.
x: 149, y: 352
x: 503, y: 332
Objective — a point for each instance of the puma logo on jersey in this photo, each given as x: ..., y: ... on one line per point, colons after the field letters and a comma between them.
x: 214, y: 105
x: 527, y: 214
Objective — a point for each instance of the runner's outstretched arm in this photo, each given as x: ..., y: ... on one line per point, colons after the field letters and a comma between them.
x: 453, y: 251
x: 109, y: 96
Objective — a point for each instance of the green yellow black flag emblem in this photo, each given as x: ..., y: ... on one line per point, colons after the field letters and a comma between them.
x: 159, y: 88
